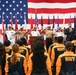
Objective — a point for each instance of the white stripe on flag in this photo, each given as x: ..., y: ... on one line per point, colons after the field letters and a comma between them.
x: 51, y: 5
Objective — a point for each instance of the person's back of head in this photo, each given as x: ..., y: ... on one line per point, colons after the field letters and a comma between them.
x: 69, y: 46
x: 38, y: 46
x: 19, y: 42
x: 38, y: 38
x: 7, y: 43
x: 24, y: 41
x: 55, y: 39
x: 15, y: 48
x: 60, y: 39
x: 14, y: 59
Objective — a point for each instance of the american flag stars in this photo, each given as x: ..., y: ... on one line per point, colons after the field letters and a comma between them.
x: 13, y: 7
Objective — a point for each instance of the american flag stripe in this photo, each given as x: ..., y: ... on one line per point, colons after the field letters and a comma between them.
x: 52, y: 11
x: 52, y: 7
x: 52, y: 1
x: 45, y: 18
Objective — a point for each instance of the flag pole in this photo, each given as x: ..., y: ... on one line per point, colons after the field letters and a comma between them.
x: 25, y: 22
x: 58, y: 20
x: 64, y: 20
x: 53, y: 23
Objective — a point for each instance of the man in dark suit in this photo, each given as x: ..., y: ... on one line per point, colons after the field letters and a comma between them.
x: 69, y: 32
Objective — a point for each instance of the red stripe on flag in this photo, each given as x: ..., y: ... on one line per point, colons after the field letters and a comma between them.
x: 52, y: 11
x: 45, y: 21
x: 52, y: 1
x: 52, y: 7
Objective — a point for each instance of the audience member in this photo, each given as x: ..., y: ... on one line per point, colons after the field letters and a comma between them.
x: 16, y: 63
x: 39, y: 61
x: 25, y: 45
x: 66, y: 62
x: 8, y: 47
x: 22, y: 50
x: 69, y: 32
x: 49, y: 36
x: 56, y: 51
x: 51, y: 46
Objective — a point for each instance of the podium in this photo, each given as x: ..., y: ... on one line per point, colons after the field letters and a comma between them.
x: 33, y: 38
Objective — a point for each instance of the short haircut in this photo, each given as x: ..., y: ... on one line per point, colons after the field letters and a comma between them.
x: 55, y: 39
x: 24, y: 41
x: 7, y: 43
x: 20, y: 42
x: 60, y: 39
x: 69, y: 45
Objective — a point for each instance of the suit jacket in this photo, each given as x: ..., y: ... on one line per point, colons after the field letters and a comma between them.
x: 69, y: 34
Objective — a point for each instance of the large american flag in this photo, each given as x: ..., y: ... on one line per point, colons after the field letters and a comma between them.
x: 61, y: 9
x: 18, y: 8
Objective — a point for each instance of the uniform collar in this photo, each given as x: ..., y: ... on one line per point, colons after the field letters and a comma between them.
x: 68, y: 52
